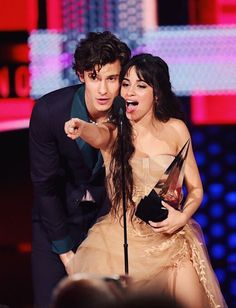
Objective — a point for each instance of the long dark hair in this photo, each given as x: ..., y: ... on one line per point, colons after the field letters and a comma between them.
x: 155, y: 72
x: 114, y: 178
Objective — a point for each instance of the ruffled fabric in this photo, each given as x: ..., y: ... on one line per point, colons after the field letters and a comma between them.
x: 155, y: 260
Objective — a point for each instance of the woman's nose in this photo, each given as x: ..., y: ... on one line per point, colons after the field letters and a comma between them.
x: 130, y: 91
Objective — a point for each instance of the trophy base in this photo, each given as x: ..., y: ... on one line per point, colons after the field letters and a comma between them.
x: 150, y: 208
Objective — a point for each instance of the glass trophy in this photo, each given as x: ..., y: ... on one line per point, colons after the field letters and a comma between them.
x: 168, y: 189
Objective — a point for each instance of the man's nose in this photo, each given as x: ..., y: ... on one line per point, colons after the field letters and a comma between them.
x: 102, y: 88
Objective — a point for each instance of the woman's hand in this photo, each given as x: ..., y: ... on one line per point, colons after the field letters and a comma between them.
x: 175, y: 221
x: 73, y: 128
x: 66, y: 259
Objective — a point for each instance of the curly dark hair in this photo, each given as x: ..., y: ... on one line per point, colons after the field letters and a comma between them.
x: 155, y: 72
x: 99, y: 48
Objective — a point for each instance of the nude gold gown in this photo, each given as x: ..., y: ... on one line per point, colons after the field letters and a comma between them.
x: 154, y: 259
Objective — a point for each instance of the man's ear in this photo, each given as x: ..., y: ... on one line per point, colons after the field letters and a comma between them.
x: 81, y: 76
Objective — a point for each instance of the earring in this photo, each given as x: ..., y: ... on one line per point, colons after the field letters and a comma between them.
x: 156, y: 100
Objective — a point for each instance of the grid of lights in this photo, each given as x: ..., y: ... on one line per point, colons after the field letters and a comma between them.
x: 202, y: 60
x: 94, y: 15
x: 217, y: 214
x: 46, y: 62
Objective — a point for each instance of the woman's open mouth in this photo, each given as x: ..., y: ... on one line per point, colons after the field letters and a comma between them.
x: 131, y: 106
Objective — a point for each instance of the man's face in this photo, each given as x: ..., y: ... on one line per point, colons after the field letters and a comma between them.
x: 100, y: 90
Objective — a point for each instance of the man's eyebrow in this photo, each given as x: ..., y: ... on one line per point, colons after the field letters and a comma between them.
x: 113, y: 75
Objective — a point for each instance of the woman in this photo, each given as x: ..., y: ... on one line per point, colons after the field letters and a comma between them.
x: 168, y: 255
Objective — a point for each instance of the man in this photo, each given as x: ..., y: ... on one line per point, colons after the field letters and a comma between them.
x: 67, y: 176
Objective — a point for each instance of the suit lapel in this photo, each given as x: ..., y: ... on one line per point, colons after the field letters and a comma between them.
x: 92, y: 156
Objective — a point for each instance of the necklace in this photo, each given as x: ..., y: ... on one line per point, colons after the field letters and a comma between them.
x: 104, y: 121
x: 93, y: 122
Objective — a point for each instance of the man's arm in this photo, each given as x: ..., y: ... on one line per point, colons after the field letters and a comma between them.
x: 44, y: 173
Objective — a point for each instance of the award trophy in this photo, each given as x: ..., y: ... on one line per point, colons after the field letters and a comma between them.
x: 168, y: 189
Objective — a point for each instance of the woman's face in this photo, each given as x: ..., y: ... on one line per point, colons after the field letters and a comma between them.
x: 138, y: 95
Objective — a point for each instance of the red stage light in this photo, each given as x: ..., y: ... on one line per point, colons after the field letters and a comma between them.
x: 24, y: 247
x: 213, y: 109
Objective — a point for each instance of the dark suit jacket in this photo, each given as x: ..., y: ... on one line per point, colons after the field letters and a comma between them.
x: 60, y: 175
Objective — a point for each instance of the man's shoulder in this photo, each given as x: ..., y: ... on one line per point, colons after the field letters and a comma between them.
x: 56, y: 103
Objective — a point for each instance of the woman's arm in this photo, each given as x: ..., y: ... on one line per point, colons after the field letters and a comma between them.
x: 191, y: 174
x: 99, y: 135
x: 177, y: 219
x: 193, y: 184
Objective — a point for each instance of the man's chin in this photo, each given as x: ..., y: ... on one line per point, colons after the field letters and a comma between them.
x: 104, y: 107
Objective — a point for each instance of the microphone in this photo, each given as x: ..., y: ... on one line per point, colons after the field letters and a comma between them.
x: 119, y: 106
x: 119, y: 109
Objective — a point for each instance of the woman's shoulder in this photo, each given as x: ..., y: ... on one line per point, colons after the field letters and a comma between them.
x: 177, y: 126
x: 176, y: 123
x: 177, y: 131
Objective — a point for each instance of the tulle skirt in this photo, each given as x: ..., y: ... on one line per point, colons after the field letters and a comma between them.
x: 178, y: 263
